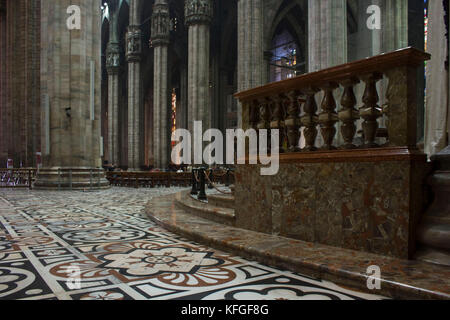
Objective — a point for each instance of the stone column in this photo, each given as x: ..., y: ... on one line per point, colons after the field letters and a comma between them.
x: 437, y: 88
x: 70, y: 87
x: 198, y: 14
x: 182, y: 108
x: 113, y: 66
x: 251, y: 65
x: 20, y: 90
x: 327, y: 21
x: 160, y: 37
x: 395, y: 33
x: 135, y: 103
x: 3, y: 124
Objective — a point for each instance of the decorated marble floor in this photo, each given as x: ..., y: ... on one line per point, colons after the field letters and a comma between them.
x: 101, y: 246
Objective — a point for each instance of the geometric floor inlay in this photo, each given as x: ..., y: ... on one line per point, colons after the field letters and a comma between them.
x: 101, y: 246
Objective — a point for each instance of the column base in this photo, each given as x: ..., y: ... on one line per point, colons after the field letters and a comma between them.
x: 71, y: 179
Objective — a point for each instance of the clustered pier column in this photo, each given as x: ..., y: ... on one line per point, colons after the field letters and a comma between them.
x: 112, y: 67
x: 251, y: 63
x: 160, y: 38
x: 198, y: 14
x: 327, y: 33
x: 135, y: 104
x: 3, y: 113
x: 70, y: 87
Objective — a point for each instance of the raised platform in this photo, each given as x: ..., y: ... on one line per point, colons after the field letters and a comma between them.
x: 222, y: 200
x: 400, y: 279
x: 208, y: 211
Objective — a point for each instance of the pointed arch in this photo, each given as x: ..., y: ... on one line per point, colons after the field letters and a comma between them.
x: 287, y: 39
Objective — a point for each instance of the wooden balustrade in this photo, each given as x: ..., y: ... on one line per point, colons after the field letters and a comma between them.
x: 348, y: 115
x: 291, y: 105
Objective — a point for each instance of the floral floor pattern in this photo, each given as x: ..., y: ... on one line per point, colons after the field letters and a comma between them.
x: 101, y: 246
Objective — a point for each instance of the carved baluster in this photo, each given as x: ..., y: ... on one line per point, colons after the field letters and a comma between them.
x: 264, y: 113
x: 329, y: 117
x: 264, y: 117
x: 348, y: 115
x: 310, y: 119
x: 254, y: 120
x: 254, y: 114
x: 278, y: 117
x: 370, y: 112
x: 292, y: 122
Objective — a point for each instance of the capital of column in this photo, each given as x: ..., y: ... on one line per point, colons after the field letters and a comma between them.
x: 134, y: 43
x: 160, y: 28
x: 198, y: 12
x: 113, y: 58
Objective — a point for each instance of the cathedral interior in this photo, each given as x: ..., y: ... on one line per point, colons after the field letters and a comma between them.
x: 349, y: 97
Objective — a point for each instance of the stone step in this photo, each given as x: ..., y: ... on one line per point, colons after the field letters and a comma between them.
x: 432, y: 255
x: 221, y: 200
x: 400, y: 279
x: 208, y: 211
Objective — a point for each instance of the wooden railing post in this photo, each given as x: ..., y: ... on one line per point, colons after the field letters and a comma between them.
x: 264, y: 117
x: 348, y: 115
x: 254, y: 114
x: 278, y: 117
x: 328, y: 117
x: 370, y: 112
x: 254, y: 120
x: 310, y: 119
x: 292, y: 122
